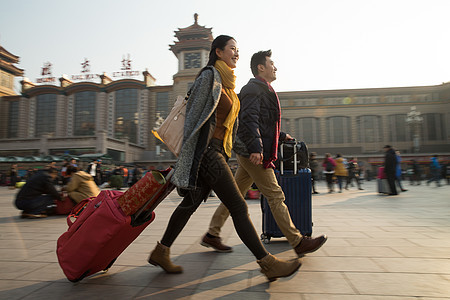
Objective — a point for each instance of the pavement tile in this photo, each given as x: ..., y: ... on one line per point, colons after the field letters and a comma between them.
x: 414, y: 265
x: 165, y: 293
x: 340, y: 264
x: 356, y: 297
x: 234, y: 280
x: 425, y: 252
x: 70, y: 291
x: 368, y: 251
x: 304, y: 282
x: 397, y: 284
x: 17, y: 289
x: 18, y: 269
x: 232, y: 295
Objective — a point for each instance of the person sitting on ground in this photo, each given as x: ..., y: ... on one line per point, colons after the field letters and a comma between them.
x: 81, y: 185
x: 37, y: 197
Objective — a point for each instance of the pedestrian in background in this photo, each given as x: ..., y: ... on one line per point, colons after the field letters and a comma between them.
x: 398, y: 171
x: 435, y: 169
x: 445, y: 172
x: 416, y: 174
x: 314, y: 166
x: 328, y: 169
x: 390, y: 168
x: 353, y: 173
x: 340, y: 171
x: 81, y: 185
x: 13, y: 173
x: 37, y: 197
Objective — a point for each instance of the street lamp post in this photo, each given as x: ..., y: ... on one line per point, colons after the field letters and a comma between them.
x: 414, y: 121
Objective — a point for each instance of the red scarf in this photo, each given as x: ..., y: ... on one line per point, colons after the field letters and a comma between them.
x: 268, y: 162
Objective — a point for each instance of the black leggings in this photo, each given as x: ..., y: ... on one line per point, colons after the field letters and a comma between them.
x: 215, y: 174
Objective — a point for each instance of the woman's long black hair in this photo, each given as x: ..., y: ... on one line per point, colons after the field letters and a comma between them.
x: 219, y: 43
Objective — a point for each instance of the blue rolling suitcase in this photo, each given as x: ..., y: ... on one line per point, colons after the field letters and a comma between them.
x: 297, y: 188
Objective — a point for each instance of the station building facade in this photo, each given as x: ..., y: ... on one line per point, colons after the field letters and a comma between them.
x: 116, y: 117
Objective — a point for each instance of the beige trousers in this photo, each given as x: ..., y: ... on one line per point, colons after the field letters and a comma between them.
x: 248, y: 173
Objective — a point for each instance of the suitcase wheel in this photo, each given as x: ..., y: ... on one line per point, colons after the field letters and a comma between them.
x: 109, y: 265
x: 265, y: 238
x: 81, y: 277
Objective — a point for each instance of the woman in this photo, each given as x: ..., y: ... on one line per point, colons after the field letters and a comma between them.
x: 328, y: 169
x: 340, y: 171
x: 210, y: 127
x: 81, y: 185
x: 13, y: 177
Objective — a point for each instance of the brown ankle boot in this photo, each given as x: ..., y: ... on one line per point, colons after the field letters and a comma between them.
x: 161, y: 257
x: 275, y: 268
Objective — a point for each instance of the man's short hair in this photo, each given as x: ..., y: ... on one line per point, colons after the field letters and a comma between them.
x: 259, y: 58
x: 387, y: 146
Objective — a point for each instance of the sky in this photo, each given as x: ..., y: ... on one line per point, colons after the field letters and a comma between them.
x: 316, y: 44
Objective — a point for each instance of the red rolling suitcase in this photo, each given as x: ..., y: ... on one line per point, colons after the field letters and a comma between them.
x: 102, y: 231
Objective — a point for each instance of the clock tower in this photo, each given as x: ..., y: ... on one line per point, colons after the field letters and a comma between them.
x: 192, y: 51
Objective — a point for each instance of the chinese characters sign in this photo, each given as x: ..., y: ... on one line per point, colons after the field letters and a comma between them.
x: 125, y: 71
x: 47, y: 74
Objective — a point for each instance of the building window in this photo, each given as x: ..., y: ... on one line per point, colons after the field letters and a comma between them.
x: 369, y: 129
x: 45, y: 114
x: 84, y: 113
x: 126, y: 119
x: 433, y: 126
x: 13, y: 119
x: 397, y: 128
x: 162, y: 104
x: 308, y: 130
x: 338, y: 130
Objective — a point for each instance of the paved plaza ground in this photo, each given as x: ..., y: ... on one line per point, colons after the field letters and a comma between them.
x: 378, y: 247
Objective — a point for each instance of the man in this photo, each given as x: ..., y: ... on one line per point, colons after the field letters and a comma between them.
x: 95, y: 170
x: 353, y: 173
x: 256, y: 148
x: 435, y: 169
x: 37, y: 197
x: 390, y: 168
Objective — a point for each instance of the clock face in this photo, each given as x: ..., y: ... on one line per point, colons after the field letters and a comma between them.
x: 192, y: 60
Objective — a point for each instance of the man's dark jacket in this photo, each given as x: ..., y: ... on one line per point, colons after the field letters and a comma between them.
x: 390, y: 162
x: 257, y: 120
x: 39, y: 184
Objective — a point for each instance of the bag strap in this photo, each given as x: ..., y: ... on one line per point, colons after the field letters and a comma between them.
x: 77, y: 209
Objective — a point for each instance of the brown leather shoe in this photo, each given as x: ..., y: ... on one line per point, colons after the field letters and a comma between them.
x: 308, y: 245
x: 216, y: 243
x: 33, y: 216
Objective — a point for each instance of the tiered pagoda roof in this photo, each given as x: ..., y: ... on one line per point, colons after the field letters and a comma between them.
x: 7, y: 61
x: 193, y: 37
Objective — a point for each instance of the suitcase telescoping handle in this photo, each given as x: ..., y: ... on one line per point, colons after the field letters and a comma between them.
x: 282, y: 158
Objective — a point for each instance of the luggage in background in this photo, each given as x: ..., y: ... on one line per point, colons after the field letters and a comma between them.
x: 102, y: 231
x: 297, y: 187
x: 64, y: 206
x: 382, y: 183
